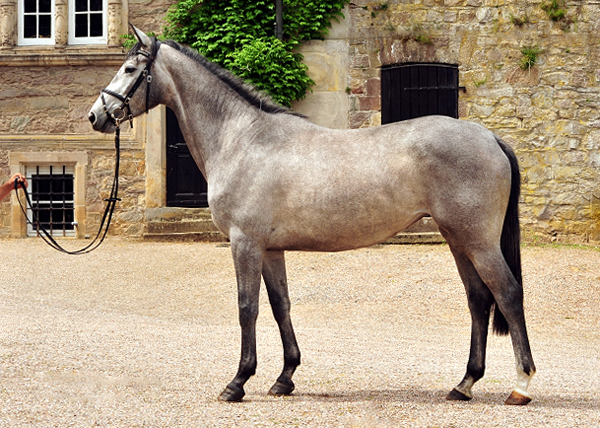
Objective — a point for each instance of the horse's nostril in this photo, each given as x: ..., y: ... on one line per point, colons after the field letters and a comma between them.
x: 92, y: 118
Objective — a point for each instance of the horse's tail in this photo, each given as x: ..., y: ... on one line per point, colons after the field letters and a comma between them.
x: 510, y: 242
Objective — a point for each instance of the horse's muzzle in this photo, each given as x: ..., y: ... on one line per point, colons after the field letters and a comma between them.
x: 92, y: 117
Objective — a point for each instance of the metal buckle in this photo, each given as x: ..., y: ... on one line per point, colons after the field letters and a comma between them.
x: 115, y: 117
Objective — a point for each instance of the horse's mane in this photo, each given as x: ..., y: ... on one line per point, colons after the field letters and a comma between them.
x: 249, y: 93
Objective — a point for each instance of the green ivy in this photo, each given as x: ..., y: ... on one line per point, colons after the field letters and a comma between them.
x: 239, y: 36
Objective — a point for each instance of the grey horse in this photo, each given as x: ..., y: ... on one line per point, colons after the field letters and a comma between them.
x: 278, y: 182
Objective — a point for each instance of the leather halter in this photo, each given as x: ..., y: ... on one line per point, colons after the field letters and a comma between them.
x: 145, y: 75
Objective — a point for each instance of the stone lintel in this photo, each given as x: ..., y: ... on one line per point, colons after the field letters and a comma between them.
x: 27, y: 58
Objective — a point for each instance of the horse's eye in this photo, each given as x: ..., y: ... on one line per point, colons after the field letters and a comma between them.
x: 130, y: 70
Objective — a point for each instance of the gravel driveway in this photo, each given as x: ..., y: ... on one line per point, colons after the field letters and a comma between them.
x: 145, y: 335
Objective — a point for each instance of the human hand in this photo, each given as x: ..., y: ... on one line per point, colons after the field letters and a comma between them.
x: 21, y: 180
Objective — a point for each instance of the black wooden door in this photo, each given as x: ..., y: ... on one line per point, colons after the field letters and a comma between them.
x: 413, y: 90
x: 186, y: 186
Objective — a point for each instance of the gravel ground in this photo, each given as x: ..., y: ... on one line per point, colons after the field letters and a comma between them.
x: 146, y: 335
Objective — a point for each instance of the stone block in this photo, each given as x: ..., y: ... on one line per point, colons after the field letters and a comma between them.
x: 329, y: 109
x: 369, y: 103
x: 327, y: 63
x: 45, y: 103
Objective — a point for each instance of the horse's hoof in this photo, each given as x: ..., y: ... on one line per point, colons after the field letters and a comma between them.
x: 517, y: 399
x: 282, y: 388
x: 456, y: 395
x: 232, y: 394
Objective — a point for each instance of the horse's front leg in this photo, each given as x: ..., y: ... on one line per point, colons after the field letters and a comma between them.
x: 276, y: 282
x: 247, y: 258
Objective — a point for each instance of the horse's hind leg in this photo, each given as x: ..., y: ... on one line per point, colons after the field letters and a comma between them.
x: 508, y: 293
x: 480, y: 301
x: 276, y: 281
x: 247, y: 258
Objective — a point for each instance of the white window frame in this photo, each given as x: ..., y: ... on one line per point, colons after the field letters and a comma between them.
x: 21, y: 40
x: 72, y: 40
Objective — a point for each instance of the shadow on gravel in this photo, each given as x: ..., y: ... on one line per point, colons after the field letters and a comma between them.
x: 420, y: 396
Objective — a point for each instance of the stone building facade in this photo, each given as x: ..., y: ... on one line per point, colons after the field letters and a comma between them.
x: 548, y: 113
x: 46, y: 90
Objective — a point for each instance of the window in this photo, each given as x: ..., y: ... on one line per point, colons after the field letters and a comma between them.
x: 413, y: 90
x: 87, y: 21
x: 36, y: 22
x: 52, y: 199
x: 40, y: 22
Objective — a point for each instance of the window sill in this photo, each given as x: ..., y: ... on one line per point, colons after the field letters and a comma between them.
x: 31, y: 56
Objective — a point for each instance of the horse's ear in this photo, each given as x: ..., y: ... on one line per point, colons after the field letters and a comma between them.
x: 141, y: 36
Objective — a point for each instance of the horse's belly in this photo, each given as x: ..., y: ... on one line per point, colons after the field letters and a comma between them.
x: 334, y: 234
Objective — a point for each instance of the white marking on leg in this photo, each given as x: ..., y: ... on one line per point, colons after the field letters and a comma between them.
x: 523, y: 380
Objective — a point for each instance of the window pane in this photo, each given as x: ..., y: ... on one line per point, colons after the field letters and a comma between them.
x: 95, y: 25
x: 30, y: 24
x: 95, y: 5
x: 41, y: 186
x: 57, y: 185
x: 81, y: 25
x: 45, y: 27
x: 30, y: 6
x: 44, y: 6
x: 42, y: 212
x: 68, y: 180
x: 81, y: 5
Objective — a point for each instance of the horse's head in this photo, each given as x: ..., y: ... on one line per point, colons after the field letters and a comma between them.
x: 128, y: 94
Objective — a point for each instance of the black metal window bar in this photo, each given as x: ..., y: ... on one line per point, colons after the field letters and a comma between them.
x: 52, y: 198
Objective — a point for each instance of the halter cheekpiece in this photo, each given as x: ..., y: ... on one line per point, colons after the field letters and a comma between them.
x: 124, y: 109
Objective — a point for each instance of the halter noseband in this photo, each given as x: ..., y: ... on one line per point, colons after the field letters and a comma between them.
x: 145, y: 75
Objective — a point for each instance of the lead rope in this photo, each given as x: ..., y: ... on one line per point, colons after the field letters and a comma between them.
x: 107, y: 216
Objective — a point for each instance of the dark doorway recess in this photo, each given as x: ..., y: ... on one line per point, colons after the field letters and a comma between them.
x: 414, y: 90
x: 186, y: 186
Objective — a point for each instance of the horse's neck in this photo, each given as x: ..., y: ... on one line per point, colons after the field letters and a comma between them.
x: 208, y: 114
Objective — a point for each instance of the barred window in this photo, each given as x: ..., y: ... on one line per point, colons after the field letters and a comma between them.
x: 52, y: 198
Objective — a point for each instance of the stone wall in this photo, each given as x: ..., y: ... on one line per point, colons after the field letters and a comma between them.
x: 45, y: 97
x: 549, y: 113
x: 49, y: 100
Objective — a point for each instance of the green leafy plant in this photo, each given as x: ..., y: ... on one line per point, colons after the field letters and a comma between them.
x: 519, y: 22
x: 530, y: 54
x: 272, y: 68
x: 420, y: 35
x: 480, y: 82
x: 239, y: 36
x: 556, y: 9
x: 378, y: 8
